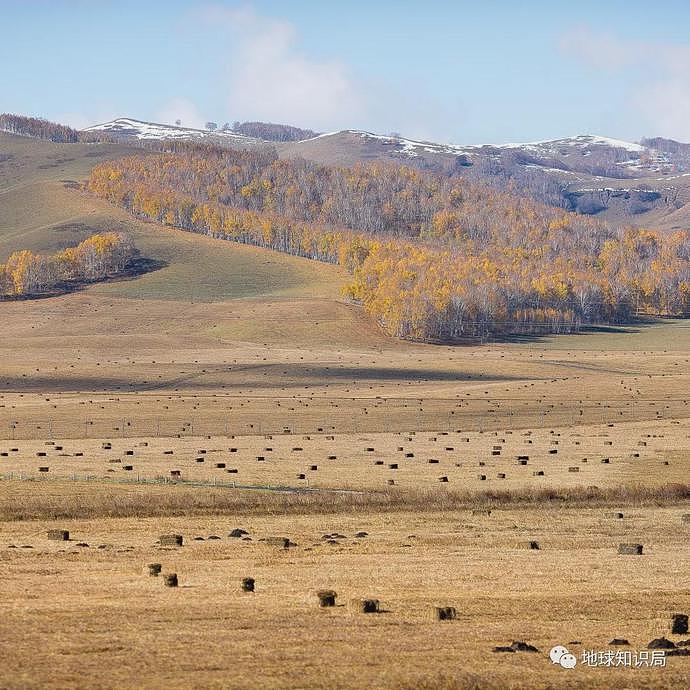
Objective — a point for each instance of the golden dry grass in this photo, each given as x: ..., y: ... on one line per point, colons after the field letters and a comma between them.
x: 91, y: 617
x: 227, y: 340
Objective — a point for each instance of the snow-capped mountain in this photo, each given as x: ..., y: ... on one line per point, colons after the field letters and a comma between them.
x: 588, y: 173
x: 126, y: 127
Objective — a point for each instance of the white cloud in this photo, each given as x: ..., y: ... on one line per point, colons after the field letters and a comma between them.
x: 180, y: 109
x: 271, y: 78
x: 659, y: 72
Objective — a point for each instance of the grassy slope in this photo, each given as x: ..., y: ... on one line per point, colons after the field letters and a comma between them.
x: 41, y: 213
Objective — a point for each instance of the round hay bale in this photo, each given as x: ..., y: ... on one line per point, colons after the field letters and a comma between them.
x: 155, y: 569
x: 247, y: 584
x: 170, y: 580
x: 364, y: 605
x: 630, y: 549
x: 326, y: 597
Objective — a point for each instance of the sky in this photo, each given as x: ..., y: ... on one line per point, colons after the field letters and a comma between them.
x: 482, y: 71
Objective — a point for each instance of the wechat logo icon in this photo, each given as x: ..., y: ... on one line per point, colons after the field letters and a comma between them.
x: 560, y: 655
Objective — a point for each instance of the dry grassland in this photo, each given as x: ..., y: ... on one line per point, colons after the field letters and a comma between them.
x: 228, y: 347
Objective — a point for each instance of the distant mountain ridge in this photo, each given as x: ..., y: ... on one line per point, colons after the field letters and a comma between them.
x: 626, y: 182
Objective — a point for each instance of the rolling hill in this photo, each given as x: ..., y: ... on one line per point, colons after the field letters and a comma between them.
x: 641, y: 184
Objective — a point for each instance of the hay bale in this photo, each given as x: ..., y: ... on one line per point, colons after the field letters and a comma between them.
x: 278, y: 541
x: 155, y: 569
x: 482, y: 477
x: 44, y: 469
x: 313, y: 468
x: 630, y: 549
x: 501, y: 475
x: 220, y: 465
x: 538, y: 473
x: 170, y: 540
x: 614, y: 515
x: 128, y: 468
x: 170, y: 580
x: 238, y: 533
x: 573, y: 469
x: 443, y: 613
x: 443, y: 479
x: 619, y: 642
x: 679, y: 624
x: 685, y: 518
x: 41, y: 454
x: 533, y: 545
x: 481, y: 511
x: 364, y: 605
x: 393, y: 466
x: 175, y: 473
x: 326, y: 597
x: 247, y: 584
x: 661, y: 643
x: 58, y: 534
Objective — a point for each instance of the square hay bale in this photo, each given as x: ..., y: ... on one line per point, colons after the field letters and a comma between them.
x: 58, y: 534
x: 679, y: 624
x: 284, y: 542
x: 630, y: 549
x: 326, y: 597
x: 171, y: 540
x: 443, y: 613
x: 364, y: 605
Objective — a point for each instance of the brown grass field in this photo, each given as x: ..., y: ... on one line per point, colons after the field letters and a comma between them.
x: 247, y: 354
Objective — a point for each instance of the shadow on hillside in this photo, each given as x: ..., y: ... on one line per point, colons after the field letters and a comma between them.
x: 239, y: 378
x: 536, y: 338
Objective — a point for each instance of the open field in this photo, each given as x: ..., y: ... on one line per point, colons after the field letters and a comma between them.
x: 91, y: 616
x: 228, y: 347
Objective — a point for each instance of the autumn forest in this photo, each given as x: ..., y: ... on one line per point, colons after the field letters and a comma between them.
x: 432, y: 257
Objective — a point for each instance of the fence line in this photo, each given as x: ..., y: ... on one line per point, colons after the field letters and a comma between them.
x: 162, y: 481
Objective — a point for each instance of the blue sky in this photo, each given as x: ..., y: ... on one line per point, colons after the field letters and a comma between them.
x: 465, y: 72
